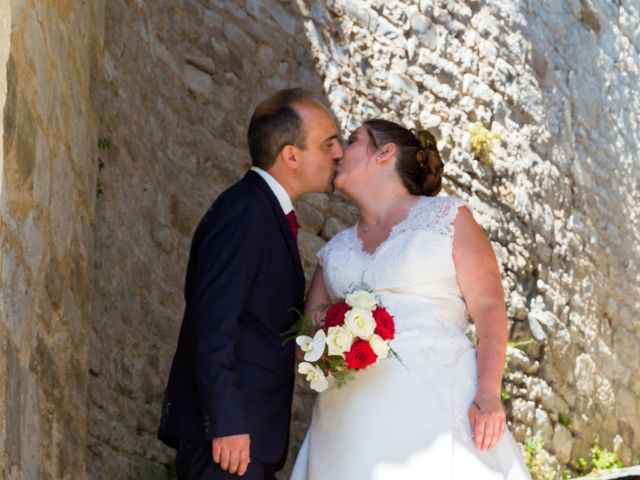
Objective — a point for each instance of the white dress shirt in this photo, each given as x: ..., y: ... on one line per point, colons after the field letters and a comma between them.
x: 277, y: 189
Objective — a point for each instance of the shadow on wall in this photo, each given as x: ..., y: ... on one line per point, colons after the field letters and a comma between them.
x: 178, y: 83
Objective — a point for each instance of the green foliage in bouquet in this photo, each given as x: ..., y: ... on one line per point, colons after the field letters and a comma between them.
x: 302, y: 326
x: 338, y: 368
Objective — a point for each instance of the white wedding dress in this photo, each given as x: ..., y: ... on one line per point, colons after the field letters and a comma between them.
x: 395, y: 421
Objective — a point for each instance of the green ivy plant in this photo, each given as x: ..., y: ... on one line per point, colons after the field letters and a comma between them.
x: 512, y: 344
x: 537, y: 460
x: 483, y: 142
x: 103, y: 145
x: 564, y: 420
x: 603, y: 459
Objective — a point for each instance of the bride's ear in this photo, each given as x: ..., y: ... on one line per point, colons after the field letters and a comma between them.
x: 386, y: 152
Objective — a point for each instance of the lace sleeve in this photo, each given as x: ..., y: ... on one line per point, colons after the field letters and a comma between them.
x: 325, y: 252
x: 321, y: 255
x: 436, y: 214
x: 451, y: 207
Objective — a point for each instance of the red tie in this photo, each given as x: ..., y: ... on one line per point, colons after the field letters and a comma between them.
x: 293, y: 223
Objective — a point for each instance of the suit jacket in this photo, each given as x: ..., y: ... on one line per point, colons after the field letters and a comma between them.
x: 231, y: 373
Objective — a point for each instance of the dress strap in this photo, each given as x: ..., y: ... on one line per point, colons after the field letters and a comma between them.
x: 436, y: 214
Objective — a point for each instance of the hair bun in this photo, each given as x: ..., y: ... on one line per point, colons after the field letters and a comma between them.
x: 417, y: 160
x: 426, y: 140
x: 429, y: 159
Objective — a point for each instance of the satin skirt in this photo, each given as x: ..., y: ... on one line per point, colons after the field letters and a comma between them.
x: 405, y: 421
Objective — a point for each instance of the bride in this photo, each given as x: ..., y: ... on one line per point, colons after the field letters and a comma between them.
x: 438, y: 416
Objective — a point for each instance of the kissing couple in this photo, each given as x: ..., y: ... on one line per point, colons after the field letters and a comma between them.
x: 227, y: 405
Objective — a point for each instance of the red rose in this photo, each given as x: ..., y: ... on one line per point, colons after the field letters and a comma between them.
x: 385, y: 326
x: 361, y: 355
x: 335, y: 315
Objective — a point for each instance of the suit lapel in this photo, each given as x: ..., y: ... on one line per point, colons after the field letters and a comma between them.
x: 281, y: 220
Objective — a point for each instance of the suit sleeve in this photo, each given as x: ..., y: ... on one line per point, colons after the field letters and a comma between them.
x: 229, y: 251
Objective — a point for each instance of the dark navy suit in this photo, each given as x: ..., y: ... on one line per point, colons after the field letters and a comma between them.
x: 231, y: 373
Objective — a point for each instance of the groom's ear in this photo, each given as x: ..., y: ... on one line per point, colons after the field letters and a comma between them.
x: 386, y: 152
x: 288, y: 156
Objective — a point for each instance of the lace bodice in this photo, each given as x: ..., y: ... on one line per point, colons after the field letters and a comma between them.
x: 412, y: 271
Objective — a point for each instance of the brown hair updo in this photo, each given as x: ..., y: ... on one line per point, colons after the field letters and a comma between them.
x: 417, y: 159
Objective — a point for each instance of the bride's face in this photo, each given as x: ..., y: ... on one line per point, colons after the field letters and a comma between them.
x: 354, y: 169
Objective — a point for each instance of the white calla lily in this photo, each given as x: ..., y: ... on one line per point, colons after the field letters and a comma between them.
x: 315, y: 376
x: 305, y: 343
x: 313, y: 347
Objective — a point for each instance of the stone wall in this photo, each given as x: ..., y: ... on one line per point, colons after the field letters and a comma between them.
x: 178, y: 86
x: 558, y: 81
x: 47, y: 199
x: 91, y: 295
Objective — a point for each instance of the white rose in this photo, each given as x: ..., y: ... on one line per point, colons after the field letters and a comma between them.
x: 361, y: 299
x: 360, y: 322
x: 339, y: 340
x: 315, y: 376
x: 379, y: 346
x: 313, y: 347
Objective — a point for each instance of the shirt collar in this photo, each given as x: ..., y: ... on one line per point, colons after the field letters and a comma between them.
x: 277, y: 189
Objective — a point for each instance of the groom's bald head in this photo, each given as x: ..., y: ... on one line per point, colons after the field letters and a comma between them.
x: 276, y: 123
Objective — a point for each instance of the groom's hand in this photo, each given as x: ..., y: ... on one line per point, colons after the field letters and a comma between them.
x: 232, y: 453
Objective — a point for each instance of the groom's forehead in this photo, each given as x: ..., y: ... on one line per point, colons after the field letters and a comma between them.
x: 316, y: 117
x: 312, y: 109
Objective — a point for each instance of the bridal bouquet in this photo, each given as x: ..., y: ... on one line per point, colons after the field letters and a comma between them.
x: 356, y: 334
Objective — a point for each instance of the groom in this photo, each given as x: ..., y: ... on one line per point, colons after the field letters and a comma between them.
x: 228, y: 399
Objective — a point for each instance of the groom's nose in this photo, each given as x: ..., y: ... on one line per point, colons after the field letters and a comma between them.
x: 337, y: 151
